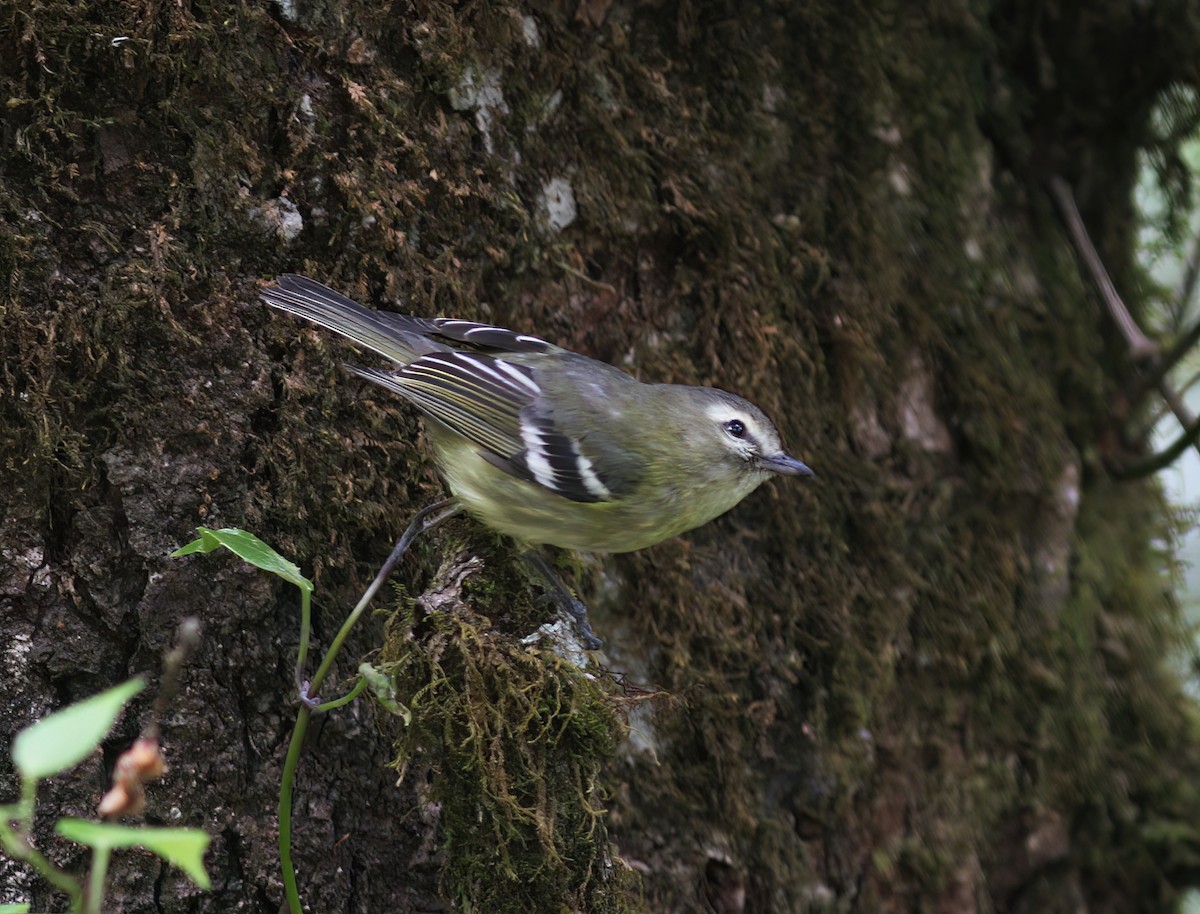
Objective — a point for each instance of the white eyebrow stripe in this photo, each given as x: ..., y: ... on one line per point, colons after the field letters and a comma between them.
x: 722, y: 413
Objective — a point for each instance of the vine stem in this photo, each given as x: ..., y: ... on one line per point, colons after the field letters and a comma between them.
x: 426, y: 519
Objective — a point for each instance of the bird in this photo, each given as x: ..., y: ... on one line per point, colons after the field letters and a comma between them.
x: 548, y: 446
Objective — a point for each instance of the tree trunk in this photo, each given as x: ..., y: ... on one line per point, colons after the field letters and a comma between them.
x: 937, y: 677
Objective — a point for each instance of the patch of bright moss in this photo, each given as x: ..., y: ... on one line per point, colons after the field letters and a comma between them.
x: 514, y: 738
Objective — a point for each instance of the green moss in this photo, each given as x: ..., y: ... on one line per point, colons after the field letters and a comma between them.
x: 513, y: 739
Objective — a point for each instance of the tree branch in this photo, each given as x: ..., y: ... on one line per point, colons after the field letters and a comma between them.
x: 1162, y: 459
x: 1182, y: 346
x: 1141, y: 347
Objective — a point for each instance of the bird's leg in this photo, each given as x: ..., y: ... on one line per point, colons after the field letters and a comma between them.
x: 421, y: 522
x: 561, y: 594
x: 444, y: 509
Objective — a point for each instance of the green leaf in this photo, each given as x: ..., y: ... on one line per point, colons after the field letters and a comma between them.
x: 14, y: 909
x: 183, y: 847
x: 65, y: 738
x: 249, y: 548
x: 383, y: 687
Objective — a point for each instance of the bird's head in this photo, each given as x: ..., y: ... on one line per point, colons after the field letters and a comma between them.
x: 740, y: 435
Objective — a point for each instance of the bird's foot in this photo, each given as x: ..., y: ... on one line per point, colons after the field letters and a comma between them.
x: 566, y: 601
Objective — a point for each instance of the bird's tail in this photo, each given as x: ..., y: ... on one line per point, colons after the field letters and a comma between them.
x: 395, y: 336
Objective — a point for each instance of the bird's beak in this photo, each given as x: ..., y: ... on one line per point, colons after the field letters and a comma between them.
x: 784, y: 465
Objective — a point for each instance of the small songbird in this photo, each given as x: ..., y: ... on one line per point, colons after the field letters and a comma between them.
x: 551, y: 447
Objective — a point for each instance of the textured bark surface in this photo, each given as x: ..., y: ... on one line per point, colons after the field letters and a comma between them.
x: 937, y: 678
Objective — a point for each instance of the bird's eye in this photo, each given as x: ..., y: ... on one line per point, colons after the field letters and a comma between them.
x: 736, y: 427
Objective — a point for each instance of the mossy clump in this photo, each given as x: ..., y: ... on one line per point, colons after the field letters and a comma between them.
x: 512, y: 738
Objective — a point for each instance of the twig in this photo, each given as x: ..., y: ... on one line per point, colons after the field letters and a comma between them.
x: 579, y: 274
x: 1162, y: 459
x: 1172, y: 357
x: 1182, y: 346
x: 1140, y: 346
x: 1178, y: 407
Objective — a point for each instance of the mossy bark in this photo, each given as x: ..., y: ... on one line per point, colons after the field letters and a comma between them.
x: 937, y: 678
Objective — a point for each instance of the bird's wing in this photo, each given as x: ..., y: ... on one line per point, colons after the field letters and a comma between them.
x: 485, y: 336
x: 455, y: 371
x: 496, y: 405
